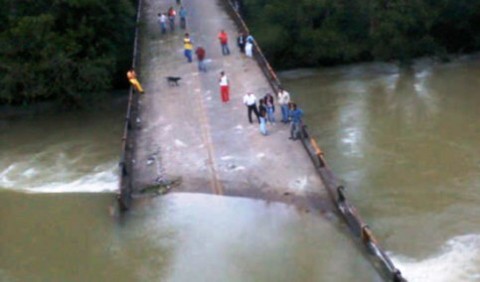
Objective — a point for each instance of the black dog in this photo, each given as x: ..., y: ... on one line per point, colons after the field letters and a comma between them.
x: 173, y: 80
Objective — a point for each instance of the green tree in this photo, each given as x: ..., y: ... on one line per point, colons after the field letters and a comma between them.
x: 68, y: 51
x: 298, y: 33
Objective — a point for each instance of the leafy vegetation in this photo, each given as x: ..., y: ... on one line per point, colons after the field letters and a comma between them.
x: 72, y: 51
x: 297, y: 33
x: 64, y: 50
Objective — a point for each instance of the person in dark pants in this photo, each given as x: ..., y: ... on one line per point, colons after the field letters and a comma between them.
x: 183, y: 18
x: 262, y: 106
x: 171, y: 18
x: 241, y: 42
x: 251, y: 102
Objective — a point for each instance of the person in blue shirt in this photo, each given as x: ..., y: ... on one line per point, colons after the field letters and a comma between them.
x: 296, y: 115
x: 183, y: 17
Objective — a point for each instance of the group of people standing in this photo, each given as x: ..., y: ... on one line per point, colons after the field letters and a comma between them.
x: 266, y: 111
x: 245, y: 44
x: 199, y: 52
x: 170, y: 16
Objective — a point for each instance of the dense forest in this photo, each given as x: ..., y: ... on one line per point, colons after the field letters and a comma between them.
x: 307, y: 33
x: 74, y: 51
x: 70, y: 51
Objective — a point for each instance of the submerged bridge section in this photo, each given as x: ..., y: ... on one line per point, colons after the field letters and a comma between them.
x: 186, y: 132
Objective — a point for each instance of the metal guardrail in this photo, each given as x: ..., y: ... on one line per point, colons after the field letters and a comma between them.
x: 124, y: 196
x: 358, y: 227
x: 257, y: 52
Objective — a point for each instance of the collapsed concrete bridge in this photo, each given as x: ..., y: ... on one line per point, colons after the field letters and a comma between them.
x: 187, y: 131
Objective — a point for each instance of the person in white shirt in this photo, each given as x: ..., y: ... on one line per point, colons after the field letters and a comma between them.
x: 251, y: 102
x: 284, y: 100
x: 249, y: 46
x: 162, y: 19
x: 224, y: 87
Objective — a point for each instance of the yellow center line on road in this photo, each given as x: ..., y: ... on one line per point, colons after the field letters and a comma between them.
x: 216, y: 185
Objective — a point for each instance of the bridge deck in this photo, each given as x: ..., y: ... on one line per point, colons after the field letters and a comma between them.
x: 192, y: 134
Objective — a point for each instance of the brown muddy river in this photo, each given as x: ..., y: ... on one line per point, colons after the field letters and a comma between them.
x: 405, y: 144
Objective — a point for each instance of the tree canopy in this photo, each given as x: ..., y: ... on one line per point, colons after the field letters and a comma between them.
x: 297, y: 33
x: 64, y: 50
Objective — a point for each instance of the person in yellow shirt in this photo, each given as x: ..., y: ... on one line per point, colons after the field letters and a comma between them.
x: 188, y: 46
x: 132, y: 77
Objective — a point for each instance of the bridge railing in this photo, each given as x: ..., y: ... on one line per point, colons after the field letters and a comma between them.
x: 257, y: 52
x: 358, y: 227
x: 128, y: 141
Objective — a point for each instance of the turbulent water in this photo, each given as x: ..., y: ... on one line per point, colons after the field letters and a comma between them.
x: 61, y: 153
x: 57, y: 175
x: 405, y: 143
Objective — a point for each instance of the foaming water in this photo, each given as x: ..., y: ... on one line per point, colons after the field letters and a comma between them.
x: 103, y: 178
x: 59, y: 177
x: 405, y: 143
x: 458, y: 260
x: 58, y: 153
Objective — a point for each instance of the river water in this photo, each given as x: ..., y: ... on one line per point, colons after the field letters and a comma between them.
x: 404, y: 143
x: 58, y: 174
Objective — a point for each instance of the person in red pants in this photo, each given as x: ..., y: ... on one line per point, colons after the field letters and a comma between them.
x: 224, y: 87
